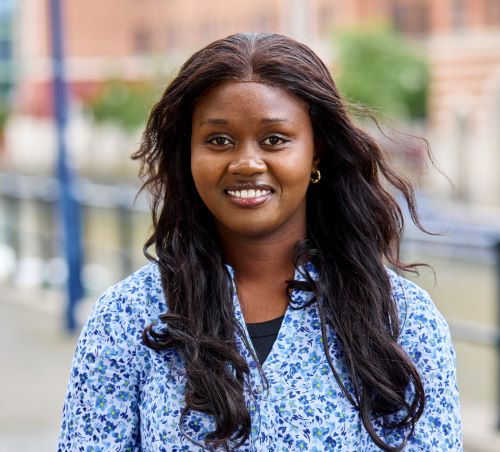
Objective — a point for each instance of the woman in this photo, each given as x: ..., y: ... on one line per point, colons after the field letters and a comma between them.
x: 271, y: 219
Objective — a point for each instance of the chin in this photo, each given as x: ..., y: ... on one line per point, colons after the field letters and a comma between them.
x: 246, y: 229
x: 250, y: 232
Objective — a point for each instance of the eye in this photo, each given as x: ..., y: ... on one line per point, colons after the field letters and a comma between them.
x: 219, y: 141
x: 274, y: 140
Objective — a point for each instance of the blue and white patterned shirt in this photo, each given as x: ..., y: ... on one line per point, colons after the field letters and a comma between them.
x: 123, y: 396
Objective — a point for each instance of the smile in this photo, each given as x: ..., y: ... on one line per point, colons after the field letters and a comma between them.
x: 245, y: 194
x: 252, y: 197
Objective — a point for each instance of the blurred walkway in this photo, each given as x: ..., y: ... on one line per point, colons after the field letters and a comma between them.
x: 479, y: 428
x: 36, y: 357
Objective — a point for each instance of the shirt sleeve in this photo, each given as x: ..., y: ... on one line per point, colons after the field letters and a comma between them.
x: 426, y: 338
x: 101, y: 406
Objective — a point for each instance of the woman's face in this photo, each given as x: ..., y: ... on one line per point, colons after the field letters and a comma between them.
x: 252, y: 153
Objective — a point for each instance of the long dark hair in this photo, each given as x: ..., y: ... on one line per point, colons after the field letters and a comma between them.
x: 354, y: 228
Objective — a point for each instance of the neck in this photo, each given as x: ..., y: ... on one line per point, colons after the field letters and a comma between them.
x: 262, y: 265
x: 261, y: 258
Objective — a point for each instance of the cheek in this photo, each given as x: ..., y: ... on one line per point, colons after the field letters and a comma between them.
x: 295, y: 174
x: 199, y: 167
x: 296, y: 180
x: 205, y: 172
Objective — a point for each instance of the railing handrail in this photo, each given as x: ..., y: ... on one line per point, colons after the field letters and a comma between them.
x: 88, y: 192
x: 123, y: 194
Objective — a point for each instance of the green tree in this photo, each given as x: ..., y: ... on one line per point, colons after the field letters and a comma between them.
x: 380, y: 68
x: 126, y: 105
x: 4, y: 114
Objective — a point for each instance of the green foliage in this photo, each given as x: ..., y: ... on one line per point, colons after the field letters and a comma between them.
x: 379, y: 68
x: 126, y: 105
x: 4, y: 115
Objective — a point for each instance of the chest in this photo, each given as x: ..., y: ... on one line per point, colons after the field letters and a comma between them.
x: 302, y: 408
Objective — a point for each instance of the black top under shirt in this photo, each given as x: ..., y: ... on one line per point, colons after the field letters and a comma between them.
x: 263, y: 335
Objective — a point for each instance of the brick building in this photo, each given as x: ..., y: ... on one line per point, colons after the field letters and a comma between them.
x: 462, y: 41
x: 133, y: 39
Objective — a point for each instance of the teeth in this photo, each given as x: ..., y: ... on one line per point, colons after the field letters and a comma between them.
x: 248, y: 193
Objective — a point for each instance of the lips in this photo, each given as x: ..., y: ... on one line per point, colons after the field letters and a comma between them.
x: 249, y: 194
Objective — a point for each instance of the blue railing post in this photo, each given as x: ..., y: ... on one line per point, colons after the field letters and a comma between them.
x: 68, y: 204
x: 497, y: 267
x: 12, y: 220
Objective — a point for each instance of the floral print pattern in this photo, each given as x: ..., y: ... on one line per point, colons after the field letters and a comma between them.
x: 123, y: 396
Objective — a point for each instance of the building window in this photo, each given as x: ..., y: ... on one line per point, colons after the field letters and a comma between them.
x: 263, y: 23
x: 459, y: 14
x: 411, y: 18
x: 207, y: 29
x: 142, y: 41
x: 5, y: 49
x: 326, y: 18
x: 173, y: 38
x: 6, y: 63
x: 492, y: 10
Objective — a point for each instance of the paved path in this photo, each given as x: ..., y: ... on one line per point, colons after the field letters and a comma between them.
x: 36, y: 357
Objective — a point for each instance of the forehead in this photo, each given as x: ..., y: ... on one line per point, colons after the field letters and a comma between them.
x: 236, y: 98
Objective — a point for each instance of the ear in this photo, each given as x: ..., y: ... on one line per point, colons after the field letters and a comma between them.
x: 318, y: 152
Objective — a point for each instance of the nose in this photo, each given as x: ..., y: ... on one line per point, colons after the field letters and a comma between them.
x: 247, y: 161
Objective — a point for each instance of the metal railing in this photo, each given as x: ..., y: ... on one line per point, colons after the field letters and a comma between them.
x: 16, y: 189
x: 479, y: 243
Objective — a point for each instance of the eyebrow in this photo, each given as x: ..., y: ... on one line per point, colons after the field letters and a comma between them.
x: 225, y: 122
x: 214, y: 122
x: 274, y: 120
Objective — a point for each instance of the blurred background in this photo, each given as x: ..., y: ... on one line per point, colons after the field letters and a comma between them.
x: 77, y: 79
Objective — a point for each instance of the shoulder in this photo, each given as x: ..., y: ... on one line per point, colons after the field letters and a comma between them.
x: 425, y: 336
x: 110, y: 365
x: 422, y: 326
x: 131, y: 304
x: 411, y: 299
x: 142, y: 288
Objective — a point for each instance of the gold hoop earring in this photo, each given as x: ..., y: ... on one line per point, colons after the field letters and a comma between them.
x: 315, y: 176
